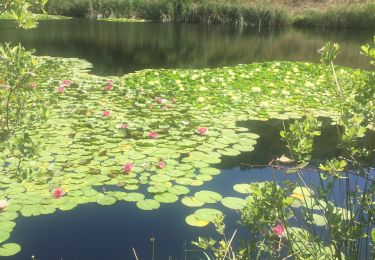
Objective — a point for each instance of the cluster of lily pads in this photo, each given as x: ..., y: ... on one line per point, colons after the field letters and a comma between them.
x: 154, y: 134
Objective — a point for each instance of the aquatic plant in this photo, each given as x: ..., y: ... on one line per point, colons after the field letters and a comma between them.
x: 77, y: 150
x: 309, y: 220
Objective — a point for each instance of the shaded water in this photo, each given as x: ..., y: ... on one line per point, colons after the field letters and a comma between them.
x: 119, y: 48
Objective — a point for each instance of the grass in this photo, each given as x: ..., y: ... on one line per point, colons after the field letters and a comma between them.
x: 322, y: 13
x: 361, y: 15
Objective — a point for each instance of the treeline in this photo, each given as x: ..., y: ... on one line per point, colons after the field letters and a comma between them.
x: 241, y: 12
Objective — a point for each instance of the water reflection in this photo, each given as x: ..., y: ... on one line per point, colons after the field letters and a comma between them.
x: 118, y: 48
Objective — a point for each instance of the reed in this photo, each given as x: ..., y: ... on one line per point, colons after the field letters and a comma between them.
x: 339, y: 13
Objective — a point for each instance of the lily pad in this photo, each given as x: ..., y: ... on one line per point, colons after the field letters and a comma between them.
x: 134, y: 196
x: 207, y: 214
x: 233, y: 202
x: 243, y: 188
x: 191, y: 202
x: 192, y: 220
x: 10, y: 249
x: 106, y: 200
x: 148, y: 204
x: 208, y: 196
x: 166, y: 197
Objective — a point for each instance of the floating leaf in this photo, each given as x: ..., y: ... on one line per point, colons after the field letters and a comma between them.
x: 243, y: 188
x: 319, y: 220
x: 192, y: 220
x: 148, y: 204
x: 106, y: 200
x: 9, y: 249
x: 134, y: 196
x: 208, y: 196
x: 207, y: 214
x: 178, y: 190
x: 166, y: 197
x: 233, y: 202
x: 191, y: 202
x: 4, y: 235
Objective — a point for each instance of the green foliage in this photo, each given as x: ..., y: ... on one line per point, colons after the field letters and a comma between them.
x: 207, y: 11
x: 21, y: 105
x: 328, y: 226
x: 219, y: 249
x: 300, y: 137
x: 355, y: 15
x: 20, y: 11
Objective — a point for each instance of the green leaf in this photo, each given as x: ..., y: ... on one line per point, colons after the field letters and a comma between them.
x: 9, y: 249
x: 208, y: 196
x: 148, y: 204
x: 233, y: 202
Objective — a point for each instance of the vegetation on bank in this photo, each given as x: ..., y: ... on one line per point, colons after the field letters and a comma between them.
x: 36, y: 17
x: 241, y: 12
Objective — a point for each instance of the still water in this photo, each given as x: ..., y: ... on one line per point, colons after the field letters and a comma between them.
x: 97, y: 232
x: 119, y: 48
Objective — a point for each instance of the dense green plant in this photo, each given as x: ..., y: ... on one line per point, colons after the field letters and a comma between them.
x: 20, y: 11
x: 20, y: 103
x: 308, y: 220
x: 359, y: 15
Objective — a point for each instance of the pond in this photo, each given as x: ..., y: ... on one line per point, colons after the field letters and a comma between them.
x: 119, y: 48
x: 82, y: 133
x: 95, y: 232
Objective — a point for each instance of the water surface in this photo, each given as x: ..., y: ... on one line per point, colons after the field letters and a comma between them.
x: 119, y: 48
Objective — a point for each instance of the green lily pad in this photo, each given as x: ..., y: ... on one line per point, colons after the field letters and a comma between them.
x: 243, y: 188
x: 208, y: 196
x: 134, y: 196
x: 106, y: 200
x: 233, y: 202
x: 4, y: 235
x: 10, y: 249
x: 157, y: 189
x: 207, y: 214
x: 166, y: 197
x: 192, y: 220
x: 209, y: 171
x: 178, y: 190
x: 319, y: 220
x: 191, y: 202
x: 148, y: 204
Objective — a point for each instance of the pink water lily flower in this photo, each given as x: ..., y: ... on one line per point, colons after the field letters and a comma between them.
x: 161, y: 164
x: 124, y: 126
x: 58, y: 193
x: 279, y: 230
x: 128, y: 167
x: 3, y: 204
x: 160, y: 100
x: 153, y: 134
x: 174, y: 100
x: 110, y: 82
x: 33, y: 84
x: 109, y: 87
x: 202, y: 130
x: 106, y: 113
x: 61, y: 89
x: 66, y: 83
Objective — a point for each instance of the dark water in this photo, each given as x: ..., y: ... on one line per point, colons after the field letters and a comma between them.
x: 119, y: 48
